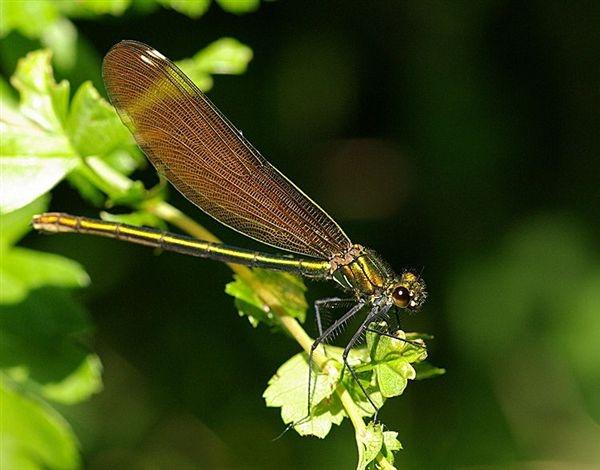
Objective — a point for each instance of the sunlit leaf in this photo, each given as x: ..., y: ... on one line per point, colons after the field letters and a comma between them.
x: 225, y: 56
x: 91, y: 8
x: 392, y: 360
x: 43, y: 101
x: 46, y: 139
x: 393, y: 377
x: 17, y: 223
x: 26, y: 270
x: 370, y: 442
x: 425, y: 370
x: 25, y: 179
x: 239, y: 6
x: 61, y: 37
x: 288, y: 288
x: 34, y: 152
x: 27, y: 17
x: 137, y: 218
x: 288, y: 389
x: 93, y: 126
x: 249, y: 304
x: 125, y: 159
x: 191, y: 8
x: 85, y: 381
x: 391, y: 445
x: 33, y: 434
x: 383, y: 366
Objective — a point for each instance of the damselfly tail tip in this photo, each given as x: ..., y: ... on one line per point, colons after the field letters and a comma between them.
x: 37, y: 221
x: 48, y: 222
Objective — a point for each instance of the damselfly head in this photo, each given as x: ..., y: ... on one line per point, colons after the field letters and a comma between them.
x: 409, y: 291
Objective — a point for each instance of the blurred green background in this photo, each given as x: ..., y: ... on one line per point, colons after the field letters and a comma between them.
x: 462, y: 138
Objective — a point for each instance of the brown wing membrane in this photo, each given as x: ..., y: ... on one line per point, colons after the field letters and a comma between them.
x: 208, y: 160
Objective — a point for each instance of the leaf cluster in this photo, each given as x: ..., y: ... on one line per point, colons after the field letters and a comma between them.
x: 49, y: 21
x: 384, y: 365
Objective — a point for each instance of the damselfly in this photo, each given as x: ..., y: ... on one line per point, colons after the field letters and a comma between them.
x: 213, y: 165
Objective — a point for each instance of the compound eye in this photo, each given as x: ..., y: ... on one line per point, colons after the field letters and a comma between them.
x: 401, y: 296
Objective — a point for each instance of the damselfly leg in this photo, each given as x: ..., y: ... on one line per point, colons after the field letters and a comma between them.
x: 371, y: 317
x: 329, y: 304
x: 323, y: 337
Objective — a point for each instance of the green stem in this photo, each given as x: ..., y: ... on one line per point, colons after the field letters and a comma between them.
x: 383, y: 462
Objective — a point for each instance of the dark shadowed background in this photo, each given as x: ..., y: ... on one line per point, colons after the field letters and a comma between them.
x: 460, y: 138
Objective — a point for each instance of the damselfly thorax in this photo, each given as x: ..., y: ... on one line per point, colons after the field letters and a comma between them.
x: 364, y: 272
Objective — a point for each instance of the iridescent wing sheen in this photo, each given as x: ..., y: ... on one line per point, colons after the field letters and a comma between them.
x: 208, y: 160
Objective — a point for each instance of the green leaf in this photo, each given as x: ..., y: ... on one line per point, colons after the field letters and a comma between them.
x: 138, y: 218
x: 37, y: 327
x: 370, y: 442
x: 135, y: 194
x: 46, y: 139
x: 288, y: 288
x: 85, y: 381
x: 17, y: 223
x: 23, y: 270
x: 225, y: 56
x: 61, y: 37
x: 34, y: 152
x: 249, y: 304
x: 364, y: 406
x: 93, y: 8
x: 33, y: 434
x: 29, y: 18
x: 7, y: 97
x: 86, y: 188
x: 392, y: 360
x: 425, y: 370
x: 191, y: 8
x: 239, y: 7
x: 393, y: 376
x: 43, y: 335
x: 288, y: 389
x: 391, y: 445
x: 34, y: 19
x: 27, y: 178
x: 126, y: 159
x: 383, y: 348
x: 93, y: 126
x: 43, y: 101
x: 97, y: 171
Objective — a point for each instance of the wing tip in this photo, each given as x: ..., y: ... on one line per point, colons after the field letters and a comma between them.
x: 127, y: 44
